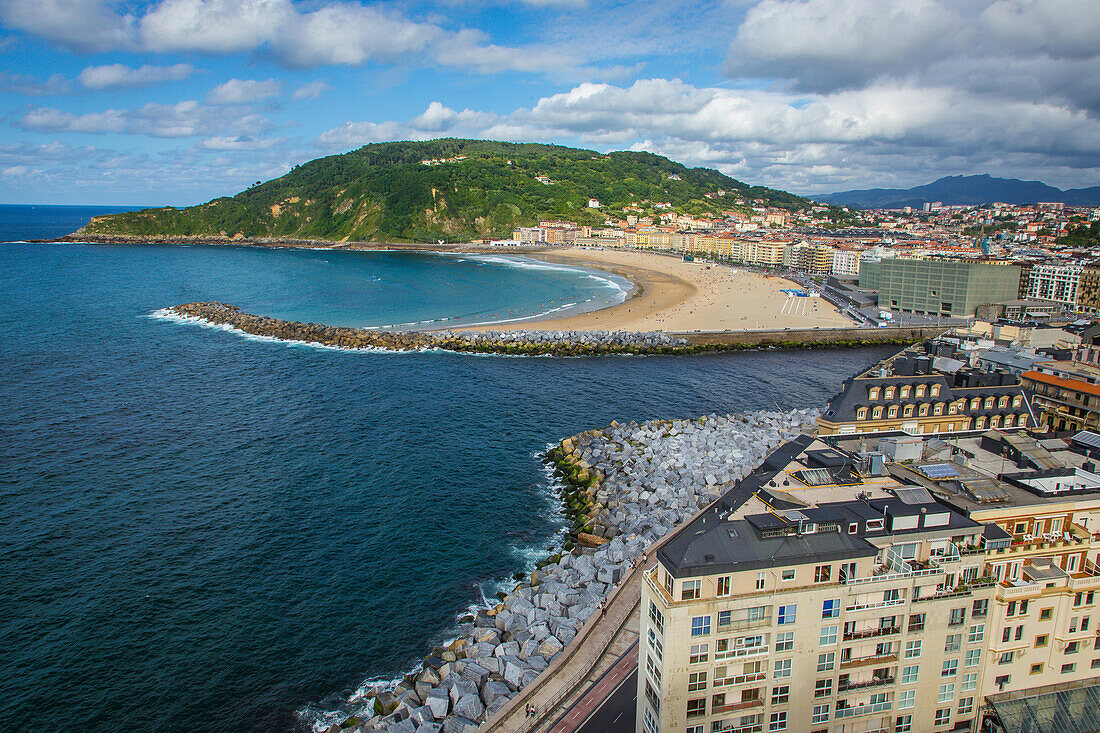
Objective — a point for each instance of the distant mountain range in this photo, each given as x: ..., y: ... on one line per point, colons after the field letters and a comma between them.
x: 954, y: 190
x: 448, y: 189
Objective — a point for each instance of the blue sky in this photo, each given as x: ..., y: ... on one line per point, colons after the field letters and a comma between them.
x: 180, y: 101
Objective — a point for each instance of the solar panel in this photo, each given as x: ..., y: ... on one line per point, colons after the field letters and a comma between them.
x: 913, y: 495
x: 1087, y: 438
x: 937, y: 471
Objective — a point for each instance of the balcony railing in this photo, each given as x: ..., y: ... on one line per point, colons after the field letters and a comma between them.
x: 740, y: 652
x: 735, y: 706
x: 754, y: 728
x: 875, y: 604
x: 867, y: 709
x: 871, y: 633
x: 863, y: 684
x: 956, y: 593
x: 740, y: 624
x: 868, y: 660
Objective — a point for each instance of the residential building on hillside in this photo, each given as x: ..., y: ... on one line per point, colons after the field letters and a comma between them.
x: 835, y: 590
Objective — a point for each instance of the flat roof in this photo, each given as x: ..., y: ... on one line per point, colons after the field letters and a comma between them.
x: 1063, y: 708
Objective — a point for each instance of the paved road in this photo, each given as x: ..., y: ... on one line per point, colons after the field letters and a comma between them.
x: 618, y: 712
x: 597, y: 693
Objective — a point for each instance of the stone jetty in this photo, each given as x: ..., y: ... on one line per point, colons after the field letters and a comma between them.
x: 624, y: 487
x: 520, y: 342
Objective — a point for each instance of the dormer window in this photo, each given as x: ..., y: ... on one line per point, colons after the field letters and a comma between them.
x: 989, y: 403
x: 975, y: 403
x: 889, y: 393
x: 861, y: 413
x: 1003, y: 402
x: 908, y: 411
x: 904, y: 392
x: 1017, y: 400
x: 874, y: 524
x: 853, y: 527
x: 893, y: 411
x: 938, y: 409
x: 934, y: 390
x: 873, y: 394
x: 923, y: 409
x: 877, y: 413
x: 920, y: 390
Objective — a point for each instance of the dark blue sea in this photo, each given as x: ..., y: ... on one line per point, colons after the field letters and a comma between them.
x: 199, y: 531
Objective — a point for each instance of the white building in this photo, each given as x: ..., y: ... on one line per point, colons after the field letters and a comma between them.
x: 846, y: 262
x: 1055, y: 282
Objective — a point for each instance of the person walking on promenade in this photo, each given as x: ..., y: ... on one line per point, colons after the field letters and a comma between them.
x: 603, y: 608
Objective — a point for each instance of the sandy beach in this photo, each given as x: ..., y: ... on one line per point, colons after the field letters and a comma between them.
x: 674, y: 295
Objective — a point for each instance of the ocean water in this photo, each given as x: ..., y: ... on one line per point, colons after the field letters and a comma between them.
x: 201, y: 531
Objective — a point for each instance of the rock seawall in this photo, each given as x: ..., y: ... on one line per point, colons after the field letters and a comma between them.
x: 639, y: 481
x: 518, y: 342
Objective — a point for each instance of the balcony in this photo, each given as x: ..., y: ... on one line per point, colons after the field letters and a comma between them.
x: 868, y: 660
x: 741, y: 624
x: 737, y: 706
x: 740, y: 652
x: 871, y: 633
x: 866, y: 709
x: 940, y: 595
x: 863, y: 684
x: 875, y: 604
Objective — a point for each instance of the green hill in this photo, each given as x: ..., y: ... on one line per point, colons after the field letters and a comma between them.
x: 383, y: 192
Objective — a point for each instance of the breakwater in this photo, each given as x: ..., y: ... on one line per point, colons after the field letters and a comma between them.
x: 642, y: 481
x: 520, y: 342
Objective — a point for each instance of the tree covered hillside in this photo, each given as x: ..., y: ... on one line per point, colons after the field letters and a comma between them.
x: 384, y: 192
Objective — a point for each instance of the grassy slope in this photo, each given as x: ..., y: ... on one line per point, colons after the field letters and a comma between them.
x: 382, y: 192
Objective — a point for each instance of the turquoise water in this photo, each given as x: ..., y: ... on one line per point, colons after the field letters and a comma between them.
x: 199, y: 531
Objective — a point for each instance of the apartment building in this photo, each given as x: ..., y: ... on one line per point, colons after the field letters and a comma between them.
x: 939, y: 287
x: 846, y: 262
x: 1066, y: 394
x: 1058, y: 283
x: 835, y: 591
x: 920, y: 392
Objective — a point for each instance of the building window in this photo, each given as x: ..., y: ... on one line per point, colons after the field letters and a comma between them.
x: 784, y: 641
x: 1067, y: 668
x: 778, y: 721
x: 969, y: 681
x: 820, y: 714
x: 697, y: 681
x: 892, y: 411
x: 788, y: 574
x: 1017, y: 401
x: 903, y: 393
x: 980, y: 608
x: 923, y: 410
x: 826, y: 661
x: 656, y: 617
x: 651, y: 724
x: 937, y: 409
x: 655, y: 645
x: 947, y: 692
x: 653, y: 668
x: 1072, y: 647
x: 973, y: 657
x: 1006, y: 658
x: 700, y: 653
x: 822, y: 573
x: 782, y: 668
x: 975, y: 403
x: 934, y: 390
x: 916, y: 622
x: 873, y: 394
x: 953, y: 643
x: 697, y: 708
x: 696, y: 728
x: 950, y: 668
x: 760, y: 581
x: 979, y: 423
x: 909, y: 674
x: 690, y: 590
x: 787, y: 614
x: 912, y: 648
x: 723, y: 586
x: 876, y: 413
x: 903, y: 724
x: 943, y: 716
x: 830, y: 608
x: 861, y: 413
x: 828, y: 635
x: 1002, y: 680
x: 958, y: 616
x: 977, y: 634
x: 823, y: 688
x: 1037, y: 668
x: 781, y: 694
x: 889, y: 393
x: 908, y: 412
x: 700, y: 626
x: 1003, y: 402
x: 907, y: 699
x: 920, y: 390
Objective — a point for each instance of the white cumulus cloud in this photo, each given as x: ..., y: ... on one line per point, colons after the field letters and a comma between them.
x: 244, y: 91
x: 120, y: 75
